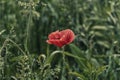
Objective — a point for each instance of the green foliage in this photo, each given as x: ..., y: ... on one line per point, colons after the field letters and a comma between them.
x: 25, y: 25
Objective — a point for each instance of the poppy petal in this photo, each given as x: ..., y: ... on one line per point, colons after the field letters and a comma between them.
x: 61, y: 38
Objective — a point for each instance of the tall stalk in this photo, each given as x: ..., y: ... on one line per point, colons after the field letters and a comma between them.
x: 63, y: 65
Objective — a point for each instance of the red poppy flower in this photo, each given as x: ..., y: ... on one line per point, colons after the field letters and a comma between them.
x: 61, y: 38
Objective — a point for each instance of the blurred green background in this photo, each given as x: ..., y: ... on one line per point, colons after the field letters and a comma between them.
x: 25, y: 25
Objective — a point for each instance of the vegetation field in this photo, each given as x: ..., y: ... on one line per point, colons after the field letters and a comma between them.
x: 59, y: 39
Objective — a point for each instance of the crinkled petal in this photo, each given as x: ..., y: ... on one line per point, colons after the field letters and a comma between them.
x: 68, y: 37
x: 53, y: 35
x: 56, y: 42
x: 61, y: 38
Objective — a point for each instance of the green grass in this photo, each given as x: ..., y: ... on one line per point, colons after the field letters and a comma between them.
x: 26, y: 24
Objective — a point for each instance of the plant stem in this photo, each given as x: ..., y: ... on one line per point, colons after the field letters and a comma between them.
x: 63, y: 65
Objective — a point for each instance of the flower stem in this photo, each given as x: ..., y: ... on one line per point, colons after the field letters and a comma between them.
x: 63, y: 55
x: 63, y: 65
